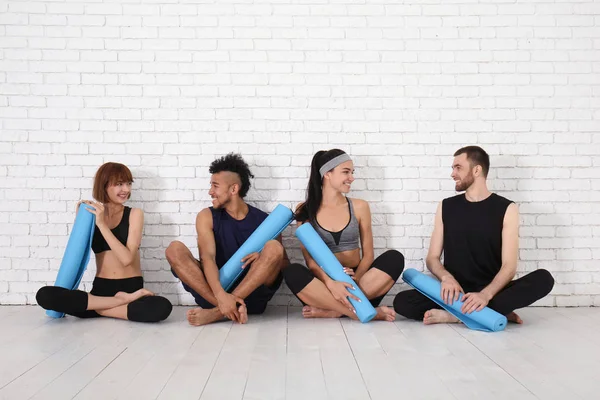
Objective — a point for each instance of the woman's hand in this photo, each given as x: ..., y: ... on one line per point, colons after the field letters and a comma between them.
x: 339, y: 291
x: 97, y: 209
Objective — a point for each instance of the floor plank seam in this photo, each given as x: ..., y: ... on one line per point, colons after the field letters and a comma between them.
x: 99, y: 372
x: 214, y: 365
x: 494, y: 361
x: 356, y: 361
x: 179, y: 363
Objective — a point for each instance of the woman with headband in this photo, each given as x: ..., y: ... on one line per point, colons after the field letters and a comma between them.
x: 344, y: 224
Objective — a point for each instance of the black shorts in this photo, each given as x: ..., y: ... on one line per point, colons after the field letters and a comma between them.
x: 256, y: 302
x: 105, y: 287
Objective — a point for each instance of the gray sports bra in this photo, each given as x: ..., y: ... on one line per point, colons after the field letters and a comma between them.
x: 344, y: 240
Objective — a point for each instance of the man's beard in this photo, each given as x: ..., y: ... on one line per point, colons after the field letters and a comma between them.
x: 465, y: 183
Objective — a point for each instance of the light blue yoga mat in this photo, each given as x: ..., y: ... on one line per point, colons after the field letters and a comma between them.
x: 332, y: 267
x: 486, y: 320
x: 269, y: 229
x: 77, y: 253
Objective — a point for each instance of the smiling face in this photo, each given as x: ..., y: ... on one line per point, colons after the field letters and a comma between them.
x: 462, y: 173
x: 119, y: 192
x: 223, y: 186
x: 342, y: 176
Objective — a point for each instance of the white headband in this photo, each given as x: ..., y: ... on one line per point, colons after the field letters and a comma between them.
x: 334, y: 162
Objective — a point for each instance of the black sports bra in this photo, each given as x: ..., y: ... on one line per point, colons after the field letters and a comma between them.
x: 120, y: 231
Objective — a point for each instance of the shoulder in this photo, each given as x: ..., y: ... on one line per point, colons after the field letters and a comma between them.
x: 135, y: 214
x: 360, y: 205
x: 503, y: 200
x: 257, y: 212
x: 205, y: 216
x: 453, y: 199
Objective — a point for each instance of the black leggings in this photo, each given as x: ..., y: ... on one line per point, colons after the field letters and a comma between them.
x: 297, y: 276
x: 75, y: 302
x: 517, y: 294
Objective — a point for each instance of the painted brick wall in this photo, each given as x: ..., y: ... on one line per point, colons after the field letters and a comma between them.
x: 167, y: 86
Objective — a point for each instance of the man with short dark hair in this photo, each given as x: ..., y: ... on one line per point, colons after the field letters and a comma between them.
x: 478, y: 232
x: 221, y: 230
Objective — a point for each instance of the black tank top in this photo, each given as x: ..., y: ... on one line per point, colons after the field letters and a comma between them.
x: 473, y: 239
x: 120, y: 231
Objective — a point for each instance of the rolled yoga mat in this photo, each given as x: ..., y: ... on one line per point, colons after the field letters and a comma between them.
x: 77, y: 253
x: 486, y: 320
x: 332, y: 267
x: 269, y: 229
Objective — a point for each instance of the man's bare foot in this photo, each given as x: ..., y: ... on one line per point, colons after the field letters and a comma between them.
x: 199, y: 316
x: 314, y: 312
x: 513, y: 317
x: 243, y: 314
x: 385, y: 314
x: 129, y: 297
x: 439, y: 317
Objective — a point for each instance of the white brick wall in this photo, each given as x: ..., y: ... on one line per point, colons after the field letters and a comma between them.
x: 165, y: 88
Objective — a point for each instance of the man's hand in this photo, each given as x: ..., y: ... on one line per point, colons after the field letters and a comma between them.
x: 474, y: 301
x: 249, y: 259
x: 340, y: 292
x: 451, y: 289
x: 227, y: 304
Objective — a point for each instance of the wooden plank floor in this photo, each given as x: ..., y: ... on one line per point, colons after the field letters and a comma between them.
x: 280, y: 355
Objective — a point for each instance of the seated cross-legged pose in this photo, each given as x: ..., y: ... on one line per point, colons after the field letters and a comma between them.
x: 117, y: 290
x: 478, y: 232
x: 221, y: 230
x: 344, y: 224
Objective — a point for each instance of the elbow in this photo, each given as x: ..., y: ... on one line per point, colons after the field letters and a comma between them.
x: 128, y: 260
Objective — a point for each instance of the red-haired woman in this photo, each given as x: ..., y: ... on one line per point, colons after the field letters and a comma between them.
x: 117, y: 290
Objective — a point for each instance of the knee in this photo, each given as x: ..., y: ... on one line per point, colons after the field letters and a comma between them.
x: 162, y: 308
x: 44, y: 297
x: 173, y: 252
x: 545, y: 281
x: 296, y: 277
x: 272, y: 251
x: 392, y: 264
x: 149, y: 309
x: 402, y: 306
x: 395, y: 257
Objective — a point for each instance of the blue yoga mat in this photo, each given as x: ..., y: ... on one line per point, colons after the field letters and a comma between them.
x: 77, y: 253
x: 269, y: 229
x: 486, y: 320
x: 332, y: 267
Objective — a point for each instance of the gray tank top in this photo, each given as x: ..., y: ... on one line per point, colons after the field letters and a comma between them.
x: 344, y: 240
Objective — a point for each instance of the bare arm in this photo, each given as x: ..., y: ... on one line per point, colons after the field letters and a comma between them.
x: 436, y: 246
x: 126, y: 254
x: 363, y: 214
x: 510, y: 249
x: 208, y: 251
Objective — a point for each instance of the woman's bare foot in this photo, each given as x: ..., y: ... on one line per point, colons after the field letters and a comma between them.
x: 513, y: 317
x: 314, y: 312
x: 385, y: 314
x: 439, y: 317
x: 129, y: 297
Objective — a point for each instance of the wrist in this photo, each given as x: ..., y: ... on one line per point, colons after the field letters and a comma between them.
x: 488, y: 296
x: 220, y: 295
x: 446, y: 277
